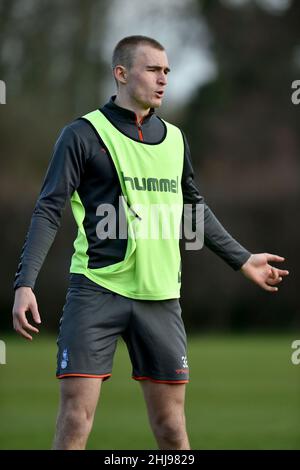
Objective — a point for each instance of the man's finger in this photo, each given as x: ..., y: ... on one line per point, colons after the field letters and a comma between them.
x: 275, y: 273
x: 283, y: 272
x: 273, y: 281
x: 30, y: 327
x: 21, y: 331
x: 20, y: 318
x: 21, y: 323
x: 24, y: 334
x: 269, y: 288
x: 271, y: 257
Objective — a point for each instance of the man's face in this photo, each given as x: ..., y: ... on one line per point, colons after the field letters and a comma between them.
x: 147, y: 78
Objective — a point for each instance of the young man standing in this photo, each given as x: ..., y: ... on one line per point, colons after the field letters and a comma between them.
x: 125, y: 286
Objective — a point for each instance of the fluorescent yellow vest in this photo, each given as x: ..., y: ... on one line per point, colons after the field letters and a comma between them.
x: 150, y: 179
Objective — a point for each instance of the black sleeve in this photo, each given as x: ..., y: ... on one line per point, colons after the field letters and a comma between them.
x: 216, y: 238
x: 62, y: 178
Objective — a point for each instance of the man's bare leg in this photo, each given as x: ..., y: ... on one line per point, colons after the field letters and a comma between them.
x: 165, y: 405
x: 78, y: 401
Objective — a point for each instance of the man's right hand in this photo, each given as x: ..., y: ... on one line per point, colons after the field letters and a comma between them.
x: 25, y: 300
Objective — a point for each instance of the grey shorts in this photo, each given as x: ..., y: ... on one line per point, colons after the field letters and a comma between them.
x: 93, y: 320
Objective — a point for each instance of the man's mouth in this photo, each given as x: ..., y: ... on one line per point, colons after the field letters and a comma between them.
x: 159, y: 93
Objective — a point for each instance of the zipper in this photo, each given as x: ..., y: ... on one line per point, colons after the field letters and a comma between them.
x: 130, y: 208
x: 139, y: 126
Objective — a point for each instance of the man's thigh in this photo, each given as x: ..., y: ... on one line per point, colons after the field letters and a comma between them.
x: 90, y: 325
x: 164, y: 400
x: 79, y: 393
x: 156, y: 341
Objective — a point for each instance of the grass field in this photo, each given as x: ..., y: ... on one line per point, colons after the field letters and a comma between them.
x: 243, y: 394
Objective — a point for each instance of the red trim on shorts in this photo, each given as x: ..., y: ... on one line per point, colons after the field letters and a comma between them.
x: 105, y: 376
x: 161, y: 381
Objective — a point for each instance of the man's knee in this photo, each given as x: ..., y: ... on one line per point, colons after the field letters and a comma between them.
x: 76, y: 420
x: 169, y: 427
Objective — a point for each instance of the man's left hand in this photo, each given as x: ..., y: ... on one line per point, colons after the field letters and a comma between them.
x: 258, y: 269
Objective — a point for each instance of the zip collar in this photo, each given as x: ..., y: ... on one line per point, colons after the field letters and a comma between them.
x: 126, y: 115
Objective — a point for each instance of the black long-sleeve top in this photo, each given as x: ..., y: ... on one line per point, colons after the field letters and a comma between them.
x: 75, y: 165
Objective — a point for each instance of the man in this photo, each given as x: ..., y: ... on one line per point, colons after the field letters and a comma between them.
x: 123, y: 285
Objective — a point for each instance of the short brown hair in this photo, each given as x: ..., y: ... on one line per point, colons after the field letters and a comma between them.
x: 124, y: 51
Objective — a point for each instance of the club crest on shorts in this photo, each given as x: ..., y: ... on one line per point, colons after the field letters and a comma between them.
x: 65, y: 359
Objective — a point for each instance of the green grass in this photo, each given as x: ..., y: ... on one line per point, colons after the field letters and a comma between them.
x: 243, y: 394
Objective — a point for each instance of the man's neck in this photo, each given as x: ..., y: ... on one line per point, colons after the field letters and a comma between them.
x: 127, y: 104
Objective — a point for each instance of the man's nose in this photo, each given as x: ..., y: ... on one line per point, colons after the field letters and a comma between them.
x: 162, y: 79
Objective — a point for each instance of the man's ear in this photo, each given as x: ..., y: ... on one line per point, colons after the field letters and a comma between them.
x: 120, y: 73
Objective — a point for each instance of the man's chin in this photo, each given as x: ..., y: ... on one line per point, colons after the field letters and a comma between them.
x: 153, y: 103
x: 156, y: 103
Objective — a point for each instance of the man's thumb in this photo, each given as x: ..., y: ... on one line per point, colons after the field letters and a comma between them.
x: 35, y: 312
